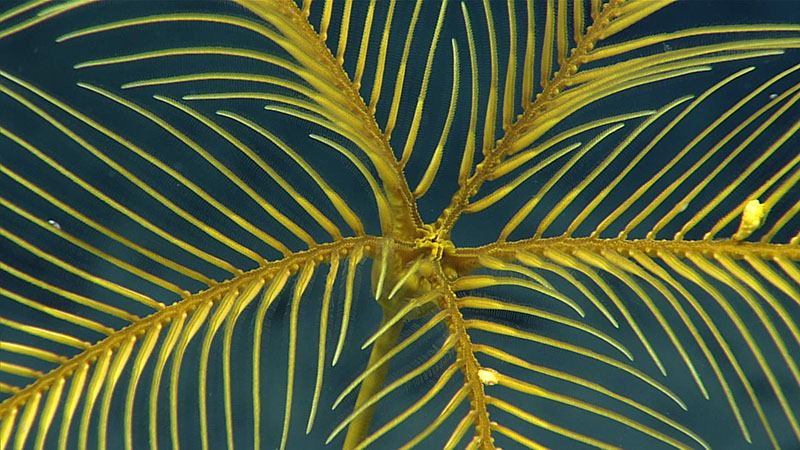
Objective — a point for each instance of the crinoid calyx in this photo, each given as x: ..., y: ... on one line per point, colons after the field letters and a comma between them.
x: 389, y: 224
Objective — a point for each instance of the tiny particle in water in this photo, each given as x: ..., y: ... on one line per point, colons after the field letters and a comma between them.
x: 54, y: 224
x: 772, y: 96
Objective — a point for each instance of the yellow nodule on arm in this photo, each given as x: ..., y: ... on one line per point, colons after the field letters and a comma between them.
x: 752, y: 218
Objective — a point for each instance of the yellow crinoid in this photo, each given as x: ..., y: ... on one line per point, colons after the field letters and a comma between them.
x: 395, y: 224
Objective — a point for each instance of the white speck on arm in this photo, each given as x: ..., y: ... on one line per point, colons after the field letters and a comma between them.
x: 487, y: 376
